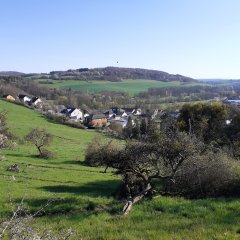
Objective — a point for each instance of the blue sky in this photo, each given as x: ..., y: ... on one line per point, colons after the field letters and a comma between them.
x: 196, y: 38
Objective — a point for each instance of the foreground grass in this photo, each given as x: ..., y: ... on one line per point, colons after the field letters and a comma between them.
x: 83, y: 197
x: 163, y: 218
x: 132, y: 87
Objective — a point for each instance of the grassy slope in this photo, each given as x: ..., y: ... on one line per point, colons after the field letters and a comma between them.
x: 79, y: 189
x: 40, y: 179
x: 130, y: 86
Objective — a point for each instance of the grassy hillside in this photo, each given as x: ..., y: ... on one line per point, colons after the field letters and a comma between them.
x: 40, y: 180
x: 130, y: 86
x: 83, y: 196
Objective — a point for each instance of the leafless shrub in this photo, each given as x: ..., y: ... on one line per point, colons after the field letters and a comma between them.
x: 116, y: 127
x: 64, y: 120
x: 211, y: 174
x: 20, y: 226
x: 13, y: 168
x: 3, y: 140
x: 40, y: 138
x: 46, y: 154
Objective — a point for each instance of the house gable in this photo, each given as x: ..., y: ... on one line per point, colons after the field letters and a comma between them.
x: 36, y: 100
x: 24, y: 98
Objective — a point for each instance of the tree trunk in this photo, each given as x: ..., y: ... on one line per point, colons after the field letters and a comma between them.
x: 105, y: 171
x: 128, y: 206
x: 39, y: 149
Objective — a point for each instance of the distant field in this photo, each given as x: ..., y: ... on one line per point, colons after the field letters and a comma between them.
x: 84, y: 196
x: 130, y: 86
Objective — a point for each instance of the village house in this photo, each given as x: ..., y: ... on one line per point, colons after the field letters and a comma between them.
x: 9, y: 97
x: 113, y: 112
x: 120, y: 115
x: 24, y: 98
x: 36, y: 101
x: 137, y: 112
x: 73, y: 113
x: 132, y: 111
x: 122, y: 112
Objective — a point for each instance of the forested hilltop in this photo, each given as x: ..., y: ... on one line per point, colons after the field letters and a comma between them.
x: 117, y: 74
x: 11, y: 73
x: 113, y: 74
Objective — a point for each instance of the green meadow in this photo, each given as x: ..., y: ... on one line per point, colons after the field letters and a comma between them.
x: 130, y: 86
x: 83, y: 198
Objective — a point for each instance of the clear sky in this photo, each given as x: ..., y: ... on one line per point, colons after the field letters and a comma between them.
x: 196, y: 38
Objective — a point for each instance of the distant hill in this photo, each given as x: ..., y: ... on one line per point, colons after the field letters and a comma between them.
x: 11, y: 73
x: 113, y: 74
x: 116, y: 74
x: 220, y: 81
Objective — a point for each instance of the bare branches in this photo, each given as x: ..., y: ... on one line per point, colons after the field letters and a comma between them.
x: 40, y: 138
x: 19, y: 227
x: 143, y: 163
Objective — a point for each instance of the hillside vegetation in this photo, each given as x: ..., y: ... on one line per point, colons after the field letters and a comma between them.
x: 118, y: 74
x: 84, y: 196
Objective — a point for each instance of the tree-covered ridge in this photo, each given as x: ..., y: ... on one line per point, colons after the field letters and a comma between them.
x: 11, y: 73
x: 117, y: 74
x: 113, y: 74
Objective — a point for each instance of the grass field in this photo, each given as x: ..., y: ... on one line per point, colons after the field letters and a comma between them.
x: 83, y: 196
x: 130, y: 86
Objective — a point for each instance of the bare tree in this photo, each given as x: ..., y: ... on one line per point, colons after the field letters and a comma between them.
x: 40, y: 138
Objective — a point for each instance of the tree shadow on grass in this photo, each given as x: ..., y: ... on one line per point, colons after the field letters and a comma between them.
x: 20, y: 155
x: 92, y: 189
x: 54, y: 206
x: 73, y: 162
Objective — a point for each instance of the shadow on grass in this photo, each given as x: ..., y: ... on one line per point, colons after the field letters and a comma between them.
x: 74, y: 162
x: 55, y: 206
x: 20, y: 155
x: 92, y: 189
x: 32, y: 156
